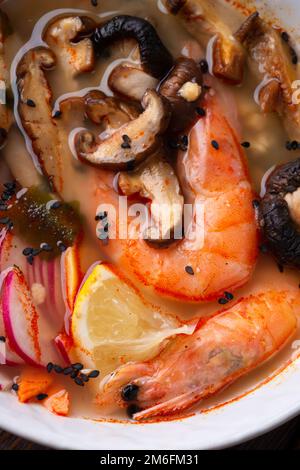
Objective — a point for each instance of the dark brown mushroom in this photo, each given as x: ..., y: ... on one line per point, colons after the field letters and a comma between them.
x: 60, y: 34
x: 202, y: 19
x: 280, y: 213
x: 133, y: 142
x: 183, y: 89
x: 108, y: 112
x: 5, y: 115
x: 131, y: 82
x: 157, y: 181
x: 35, y: 110
x: 270, y: 58
x: 155, y: 58
x: 50, y: 135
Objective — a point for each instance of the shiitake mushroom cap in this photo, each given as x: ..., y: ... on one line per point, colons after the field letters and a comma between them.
x: 155, y: 58
x: 280, y: 230
x: 183, y: 112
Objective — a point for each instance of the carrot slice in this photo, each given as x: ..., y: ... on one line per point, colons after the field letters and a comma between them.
x: 59, y: 403
x: 32, y: 384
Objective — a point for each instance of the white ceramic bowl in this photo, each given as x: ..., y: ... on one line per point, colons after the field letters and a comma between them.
x: 260, y: 411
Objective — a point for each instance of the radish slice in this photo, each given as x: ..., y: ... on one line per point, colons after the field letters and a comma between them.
x: 7, y: 354
x: 64, y: 344
x: 22, y: 322
x: 41, y: 272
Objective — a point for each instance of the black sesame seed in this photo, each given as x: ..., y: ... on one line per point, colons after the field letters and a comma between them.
x: 68, y: 371
x: 36, y: 251
x: 223, y: 301
x: 256, y: 204
x: 126, y: 142
x: 58, y: 369
x: 288, y: 145
x: 49, y: 367
x: 55, y: 205
x: 130, y: 392
x: 57, y: 114
x: 285, y: 36
x: 94, y: 3
x: 94, y: 374
x: 30, y: 259
x: 4, y: 220
x: 31, y: 103
x: 3, y: 207
x: 246, y: 145
x: 295, y: 145
x: 201, y: 112
x: 79, y: 382
x: 2, y: 339
x: 189, y: 270
x: 27, y: 251
x: 62, y: 247
x: 84, y: 377
x: 204, y: 66
x: 46, y: 247
x: 215, y: 144
x: 77, y: 366
x: 15, y: 387
x: 41, y: 396
x: 132, y: 410
x: 74, y: 374
x: 229, y: 296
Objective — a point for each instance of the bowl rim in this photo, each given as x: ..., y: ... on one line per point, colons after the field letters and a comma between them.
x: 261, y: 410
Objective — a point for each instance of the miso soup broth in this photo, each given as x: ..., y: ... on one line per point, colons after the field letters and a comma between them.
x: 83, y: 320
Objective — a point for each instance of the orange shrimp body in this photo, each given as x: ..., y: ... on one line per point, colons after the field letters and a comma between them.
x: 216, y: 180
x: 191, y: 368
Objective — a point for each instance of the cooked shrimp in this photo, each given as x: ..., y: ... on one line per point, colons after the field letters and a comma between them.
x: 217, y: 180
x: 192, y: 368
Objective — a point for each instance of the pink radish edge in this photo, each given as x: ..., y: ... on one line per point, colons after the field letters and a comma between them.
x: 7, y: 321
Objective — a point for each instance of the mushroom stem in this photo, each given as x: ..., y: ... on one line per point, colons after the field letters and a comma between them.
x: 268, y: 53
x: 203, y: 21
x: 155, y: 58
x: 133, y: 142
x: 157, y: 181
x: 77, y: 57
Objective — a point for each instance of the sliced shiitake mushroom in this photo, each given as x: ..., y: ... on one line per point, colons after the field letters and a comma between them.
x: 183, y: 89
x: 133, y: 142
x: 35, y: 110
x: 60, y: 34
x: 131, y: 82
x: 155, y: 58
x: 107, y: 111
x: 5, y: 115
x: 280, y: 213
x: 202, y: 19
x: 270, y: 57
x: 157, y: 181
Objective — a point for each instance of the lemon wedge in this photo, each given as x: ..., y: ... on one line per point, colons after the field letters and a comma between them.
x: 112, y: 324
